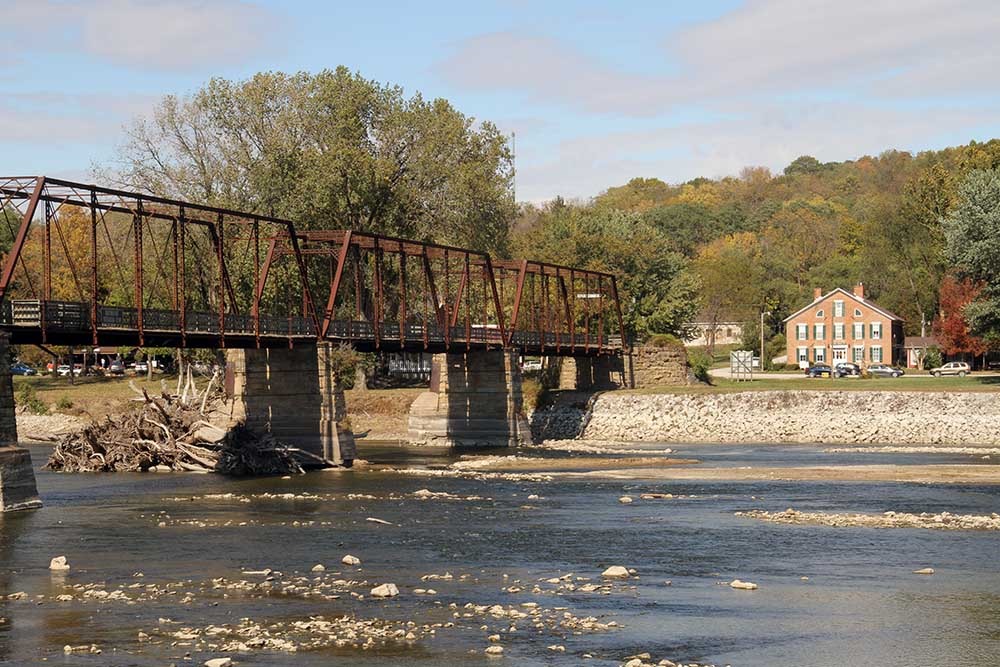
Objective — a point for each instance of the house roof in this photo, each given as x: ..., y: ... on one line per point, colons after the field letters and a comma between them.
x: 920, y: 341
x: 850, y: 295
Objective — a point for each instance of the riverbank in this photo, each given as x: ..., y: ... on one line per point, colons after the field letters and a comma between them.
x: 780, y: 417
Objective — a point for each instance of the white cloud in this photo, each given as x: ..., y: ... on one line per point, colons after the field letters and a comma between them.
x: 61, y: 118
x: 766, y: 47
x: 145, y: 34
x: 771, y: 135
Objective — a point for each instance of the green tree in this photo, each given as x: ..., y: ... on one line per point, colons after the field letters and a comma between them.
x: 331, y: 149
x: 972, y: 230
x: 730, y: 274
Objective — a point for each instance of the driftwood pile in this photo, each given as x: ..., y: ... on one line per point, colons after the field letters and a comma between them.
x: 173, y: 431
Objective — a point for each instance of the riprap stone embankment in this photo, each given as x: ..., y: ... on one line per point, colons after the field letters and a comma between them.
x: 827, y: 417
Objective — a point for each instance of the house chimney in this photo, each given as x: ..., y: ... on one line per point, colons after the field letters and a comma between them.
x: 859, y: 290
x: 817, y: 293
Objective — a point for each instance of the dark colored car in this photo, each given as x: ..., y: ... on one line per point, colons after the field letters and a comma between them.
x: 818, y: 371
x: 22, y: 369
x: 116, y: 367
x: 885, y: 371
x: 847, y: 369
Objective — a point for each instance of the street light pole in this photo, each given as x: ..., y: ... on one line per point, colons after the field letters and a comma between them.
x: 762, y: 314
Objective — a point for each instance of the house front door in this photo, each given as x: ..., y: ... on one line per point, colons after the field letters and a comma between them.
x: 839, y: 354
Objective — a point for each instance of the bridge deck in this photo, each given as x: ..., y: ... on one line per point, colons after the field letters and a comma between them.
x: 69, y: 323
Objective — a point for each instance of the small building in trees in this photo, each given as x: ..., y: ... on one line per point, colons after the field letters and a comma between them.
x: 710, y: 331
x: 842, y: 326
x: 915, y: 347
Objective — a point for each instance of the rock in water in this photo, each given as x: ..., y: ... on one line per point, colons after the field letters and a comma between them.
x: 385, y: 591
x: 219, y: 662
x: 494, y: 650
x: 926, y: 570
x: 743, y: 585
x: 350, y: 560
x: 615, y: 572
x: 625, y: 500
x: 319, y: 567
x: 59, y: 564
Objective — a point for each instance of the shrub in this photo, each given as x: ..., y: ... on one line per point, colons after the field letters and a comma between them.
x: 534, y: 394
x: 28, y: 399
x: 663, y: 340
x: 932, y: 358
x: 699, y: 362
x: 64, y: 403
x: 792, y: 367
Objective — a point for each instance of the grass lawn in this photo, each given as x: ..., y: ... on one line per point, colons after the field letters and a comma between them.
x: 96, y: 396
x: 988, y: 383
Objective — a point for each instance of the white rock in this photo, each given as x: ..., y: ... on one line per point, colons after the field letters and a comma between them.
x: 319, y: 567
x: 625, y: 500
x: 385, y: 591
x: 59, y: 564
x: 494, y: 650
x: 926, y: 570
x: 350, y: 560
x: 219, y: 662
x: 616, y: 572
x: 493, y: 639
x: 743, y: 585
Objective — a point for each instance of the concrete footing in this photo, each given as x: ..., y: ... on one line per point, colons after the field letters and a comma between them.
x: 17, y: 477
x: 584, y: 373
x: 475, y: 401
x: 295, y: 395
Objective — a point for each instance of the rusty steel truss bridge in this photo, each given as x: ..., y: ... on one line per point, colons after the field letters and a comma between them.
x: 90, y: 265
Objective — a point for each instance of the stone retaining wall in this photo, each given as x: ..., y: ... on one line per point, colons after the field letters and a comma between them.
x: 658, y: 366
x: 828, y: 417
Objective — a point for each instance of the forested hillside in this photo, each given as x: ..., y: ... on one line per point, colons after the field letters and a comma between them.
x: 762, y: 241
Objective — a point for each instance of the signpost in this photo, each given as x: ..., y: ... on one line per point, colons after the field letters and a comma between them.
x: 741, y: 365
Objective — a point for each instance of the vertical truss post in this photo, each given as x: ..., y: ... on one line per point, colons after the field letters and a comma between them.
x: 137, y: 275
x: 571, y: 308
x: 468, y: 304
x: 444, y: 303
x: 304, y: 277
x: 600, y: 312
x: 377, y: 309
x: 47, y: 254
x: 255, y: 309
x: 182, y: 279
x: 220, y: 237
x: 626, y: 346
x: 93, y: 266
x: 402, y: 295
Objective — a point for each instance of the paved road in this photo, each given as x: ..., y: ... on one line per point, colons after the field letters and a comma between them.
x: 910, y: 372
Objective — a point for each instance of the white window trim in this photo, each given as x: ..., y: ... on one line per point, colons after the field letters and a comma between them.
x: 842, y: 329
x: 801, y: 332
x: 838, y: 308
x: 876, y: 354
x: 877, y: 330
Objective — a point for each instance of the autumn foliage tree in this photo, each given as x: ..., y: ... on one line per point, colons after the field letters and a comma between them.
x: 952, y: 327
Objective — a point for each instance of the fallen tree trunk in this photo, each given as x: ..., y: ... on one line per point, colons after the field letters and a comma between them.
x: 169, y: 431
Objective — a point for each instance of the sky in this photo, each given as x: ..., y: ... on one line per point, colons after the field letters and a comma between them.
x: 597, y: 93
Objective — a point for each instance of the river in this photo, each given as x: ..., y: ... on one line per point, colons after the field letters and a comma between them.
x: 861, y: 603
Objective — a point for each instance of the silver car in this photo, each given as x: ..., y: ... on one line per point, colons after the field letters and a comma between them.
x: 959, y: 368
x: 885, y: 371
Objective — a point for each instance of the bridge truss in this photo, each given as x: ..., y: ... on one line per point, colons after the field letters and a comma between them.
x: 89, y: 265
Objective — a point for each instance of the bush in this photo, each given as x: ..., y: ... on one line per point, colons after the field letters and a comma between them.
x: 792, y: 367
x: 699, y: 362
x: 932, y: 358
x: 534, y: 394
x: 663, y: 340
x: 27, y: 398
x: 64, y: 403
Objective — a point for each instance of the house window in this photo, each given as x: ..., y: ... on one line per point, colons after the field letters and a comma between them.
x: 801, y: 332
x: 819, y: 331
x: 859, y: 354
x: 859, y: 331
x: 857, y: 312
x: 876, y: 330
x: 819, y: 313
x: 819, y: 354
x: 877, y: 354
x: 838, y: 332
x: 838, y: 308
x: 802, y: 354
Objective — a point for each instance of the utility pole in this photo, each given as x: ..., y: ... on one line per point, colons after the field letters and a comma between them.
x: 513, y: 163
x: 762, y: 314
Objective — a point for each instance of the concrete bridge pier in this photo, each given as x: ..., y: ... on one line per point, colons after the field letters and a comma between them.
x: 583, y: 373
x: 17, y: 477
x: 295, y: 395
x: 475, y: 400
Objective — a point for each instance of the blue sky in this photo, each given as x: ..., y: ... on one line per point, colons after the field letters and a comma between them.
x: 597, y: 93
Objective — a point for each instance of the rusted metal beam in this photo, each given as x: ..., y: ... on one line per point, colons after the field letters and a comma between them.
x: 335, y: 285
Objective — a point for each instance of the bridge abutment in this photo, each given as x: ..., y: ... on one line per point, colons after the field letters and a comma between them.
x: 583, y: 373
x: 17, y: 478
x: 295, y: 395
x: 475, y: 401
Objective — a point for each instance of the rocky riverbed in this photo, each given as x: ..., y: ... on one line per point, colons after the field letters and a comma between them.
x: 827, y: 417
x: 889, y: 519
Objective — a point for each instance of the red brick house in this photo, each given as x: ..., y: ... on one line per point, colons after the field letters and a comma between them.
x: 843, y: 326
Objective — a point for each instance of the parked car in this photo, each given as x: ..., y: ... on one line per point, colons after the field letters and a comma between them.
x: 818, y: 371
x: 22, y: 369
x: 847, y: 369
x: 140, y: 367
x: 529, y: 366
x: 63, y: 369
x: 959, y: 368
x: 885, y: 371
x: 116, y: 367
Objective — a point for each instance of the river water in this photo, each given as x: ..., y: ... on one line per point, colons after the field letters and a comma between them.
x: 861, y: 603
